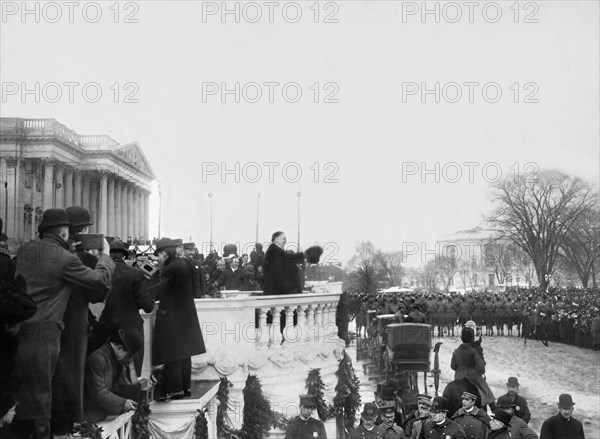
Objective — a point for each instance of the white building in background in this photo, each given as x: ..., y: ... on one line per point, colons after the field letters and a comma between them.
x: 45, y: 164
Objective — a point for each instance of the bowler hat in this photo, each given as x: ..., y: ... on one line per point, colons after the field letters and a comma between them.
x: 503, y: 417
x: 439, y: 404
x: 132, y: 338
x: 387, y: 392
x: 54, y: 218
x: 565, y: 400
x: 505, y: 402
x: 369, y: 411
x: 313, y: 254
x: 79, y: 216
x: 189, y: 246
x: 162, y: 244
x: 89, y: 241
x: 512, y: 382
x: 117, y: 245
x: 308, y: 401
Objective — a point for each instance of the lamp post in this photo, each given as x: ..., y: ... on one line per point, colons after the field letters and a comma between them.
x: 298, y: 194
x: 210, y: 195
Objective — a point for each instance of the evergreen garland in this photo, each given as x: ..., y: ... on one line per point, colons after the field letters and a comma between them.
x: 315, y: 386
x: 201, y: 427
x: 223, y: 398
x: 140, y: 421
x: 347, y: 399
x: 257, y: 411
x: 91, y: 431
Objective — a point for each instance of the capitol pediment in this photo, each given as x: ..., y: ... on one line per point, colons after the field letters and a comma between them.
x: 134, y: 156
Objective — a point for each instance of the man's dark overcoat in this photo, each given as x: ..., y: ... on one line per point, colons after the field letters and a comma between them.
x: 305, y: 429
x: 475, y: 423
x: 177, y: 333
x: 51, y: 271
x: 446, y: 430
x: 520, y: 407
x: 67, y: 384
x: 557, y: 427
x: 467, y: 363
x: 281, y: 271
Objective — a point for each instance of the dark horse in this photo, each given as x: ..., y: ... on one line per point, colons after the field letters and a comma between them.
x: 454, y: 391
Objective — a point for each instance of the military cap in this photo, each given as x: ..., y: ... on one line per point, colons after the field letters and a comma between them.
x: 439, y: 404
x: 177, y: 242
x: 189, y: 245
x: 424, y: 399
x: 468, y: 395
x: 387, y: 406
x: 369, y: 411
x: 308, y: 401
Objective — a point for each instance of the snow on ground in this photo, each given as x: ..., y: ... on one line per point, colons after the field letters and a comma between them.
x: 543, y: 373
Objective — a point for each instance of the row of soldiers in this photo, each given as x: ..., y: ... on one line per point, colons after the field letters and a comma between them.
x: 571, y: 317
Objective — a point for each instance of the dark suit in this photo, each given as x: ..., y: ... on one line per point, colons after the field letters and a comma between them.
x: 281, y: 271
x: 310, y: 428
x: 557, y: 427
x: 177, y: 334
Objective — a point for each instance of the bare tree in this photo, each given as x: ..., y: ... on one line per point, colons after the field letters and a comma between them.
x: 429, y: 275
x: 364, y: 268
x: 581, y: 246
x: 500, y: 256
x: 390, y: 266
x: 446, y: 268
x: 537, y: 213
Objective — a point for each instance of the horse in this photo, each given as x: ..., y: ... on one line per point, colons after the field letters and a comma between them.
x: 453, y: 393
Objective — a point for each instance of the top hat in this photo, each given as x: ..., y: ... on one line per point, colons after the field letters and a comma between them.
x: 469, y: 395
x: 79, y: 216
x: 308, y: 401
x: 503, y: 417
x: 132, y: 339
x: 116, y: 245
x: 565, y: 401
x: 54, y: 218
x: 369, y: 411
x: 189, y: 246
x: 162, y: 244
x: 387, y: 392
x: 439, y: 404
x: 505, y: 402
x: 512, y: 382
x: 313, y: 254
x: 90, y: 241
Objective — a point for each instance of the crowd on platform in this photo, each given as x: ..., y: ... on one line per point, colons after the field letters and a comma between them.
x: 570, y: 316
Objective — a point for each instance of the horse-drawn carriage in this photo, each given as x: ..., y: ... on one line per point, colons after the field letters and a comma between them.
x: 403, y: 350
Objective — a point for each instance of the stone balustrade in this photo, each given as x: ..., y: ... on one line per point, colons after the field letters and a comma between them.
x: 259, y: 323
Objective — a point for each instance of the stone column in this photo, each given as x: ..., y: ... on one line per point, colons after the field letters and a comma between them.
x: 93, y: 197
x: 84, y: 195
x: 59, y: 187
x: 103, y: 204
x: 319, y: 322
x: 147, y: 215
x: 110, y: 224
x: 310, y: 323
x: 118, y: 208
x: 68, y: 187
x: 124, y: 209
x: 276, y: 337
x: 136, y: 212
x: 77, y: 187
x: 140, y: 205
x: 47, y: 185
x: 301, y: 325
x: 130, y: 211
x: 262, y: 334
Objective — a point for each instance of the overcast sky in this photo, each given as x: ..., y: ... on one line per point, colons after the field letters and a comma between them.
x: 362, y: 148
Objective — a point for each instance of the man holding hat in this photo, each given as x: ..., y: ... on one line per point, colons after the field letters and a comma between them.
x: 105, y: 371
x: 50, y: 271
x: 517, y: 401
x: 420, y: 415
x: 305, y: 426
x: 518, y: 428
x: 473, y: 420
x: 499, y: 425
x: 439, y: 426
x: 367, y: 429
x: 388, y: 415
x: 563, y: 425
